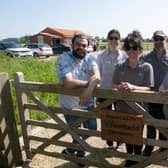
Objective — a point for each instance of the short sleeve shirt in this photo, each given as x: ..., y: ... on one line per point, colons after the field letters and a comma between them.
x: 160, y: 67
x: 141, y: 75
x: 107, y: 64
x: 68, y: 65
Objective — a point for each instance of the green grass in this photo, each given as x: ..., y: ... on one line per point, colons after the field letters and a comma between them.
x: 38, y: 70
x: 147, y: 46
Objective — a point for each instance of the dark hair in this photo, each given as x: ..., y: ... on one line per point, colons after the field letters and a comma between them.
x: 134, y: 39
x: 82, y: 36
x: 113, y: 31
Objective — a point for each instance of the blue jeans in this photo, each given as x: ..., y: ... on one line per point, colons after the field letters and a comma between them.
x: 90, y: 124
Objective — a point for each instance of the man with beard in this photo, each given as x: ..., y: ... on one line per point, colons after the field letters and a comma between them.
x: 158, y: 58
x: 78, y: 69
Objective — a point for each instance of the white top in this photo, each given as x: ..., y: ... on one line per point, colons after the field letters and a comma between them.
x: 107, y: 64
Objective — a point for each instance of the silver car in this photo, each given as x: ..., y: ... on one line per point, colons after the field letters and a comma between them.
x: 40, y: 49
x: 15, y: 50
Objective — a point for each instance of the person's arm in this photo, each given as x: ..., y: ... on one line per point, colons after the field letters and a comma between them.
x: 93, y: 82
x: 126, y: 87
x: 70, y: 82
x: 164, y: 85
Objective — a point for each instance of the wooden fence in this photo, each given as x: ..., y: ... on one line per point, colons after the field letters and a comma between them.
x: 10, y: 152
x: 99, y: 156
x: 27, y: 90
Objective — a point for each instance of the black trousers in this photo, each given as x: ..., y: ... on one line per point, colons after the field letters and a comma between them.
x: 134, y: 149
x: 156, y: 110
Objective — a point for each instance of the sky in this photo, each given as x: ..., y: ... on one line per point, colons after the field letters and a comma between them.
x: 95, y: 17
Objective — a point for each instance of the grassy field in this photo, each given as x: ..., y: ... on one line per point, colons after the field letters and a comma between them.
x: 147, y: 46
x: 34, y: 70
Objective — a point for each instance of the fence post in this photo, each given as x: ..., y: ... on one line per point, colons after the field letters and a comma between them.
x: 11, y: 152
x: 23, y: 113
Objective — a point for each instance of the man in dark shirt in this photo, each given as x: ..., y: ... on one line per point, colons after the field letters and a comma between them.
x: 158, y: 58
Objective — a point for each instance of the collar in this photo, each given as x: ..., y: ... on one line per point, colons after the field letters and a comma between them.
x: 108, y: 52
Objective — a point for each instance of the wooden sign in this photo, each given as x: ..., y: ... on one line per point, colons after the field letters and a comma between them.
x: 121, y: 127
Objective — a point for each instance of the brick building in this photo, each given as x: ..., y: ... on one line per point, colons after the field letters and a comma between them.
x: 54, y: 36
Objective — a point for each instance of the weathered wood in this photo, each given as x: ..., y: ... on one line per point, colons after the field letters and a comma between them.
x: 64, y: 128
x: 121, y: 127
x: 8, y: 124
x: 139, y: 96
x: 23, y: 113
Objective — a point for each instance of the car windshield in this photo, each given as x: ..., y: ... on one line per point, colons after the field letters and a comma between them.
x: 12, y: 45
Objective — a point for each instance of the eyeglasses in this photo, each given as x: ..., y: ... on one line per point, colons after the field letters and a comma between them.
x: 158, y: 39
x: 128, y: 48
x: 113, y: 38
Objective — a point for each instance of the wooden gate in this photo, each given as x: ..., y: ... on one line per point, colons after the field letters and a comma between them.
x: 26, y: 93
x: 10, y: 152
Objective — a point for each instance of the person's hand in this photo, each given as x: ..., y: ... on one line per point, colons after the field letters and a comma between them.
x: 125, y: 88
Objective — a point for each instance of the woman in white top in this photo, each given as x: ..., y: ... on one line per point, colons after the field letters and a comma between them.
x: 107, y: 62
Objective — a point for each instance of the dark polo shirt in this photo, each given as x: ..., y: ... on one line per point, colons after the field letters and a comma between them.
x: 160, y: 67
x: 141, y: 75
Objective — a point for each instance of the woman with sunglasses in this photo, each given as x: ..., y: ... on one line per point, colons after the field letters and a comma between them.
x: 133, y: 74
x: 107, y: 61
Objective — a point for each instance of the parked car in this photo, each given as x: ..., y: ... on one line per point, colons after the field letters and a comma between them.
x: 60, y: 48
x: 40, y: 49
x: 15, y: 49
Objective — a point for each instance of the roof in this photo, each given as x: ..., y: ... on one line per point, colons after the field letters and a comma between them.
x: 50, y: 35
x: 63, y: 32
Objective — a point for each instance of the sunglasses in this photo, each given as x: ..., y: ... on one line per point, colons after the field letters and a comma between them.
x: 113, y: 38
x: 158, y: 39
x: 128, y: 48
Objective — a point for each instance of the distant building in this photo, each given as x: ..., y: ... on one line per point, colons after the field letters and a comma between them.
x: 54, y: 36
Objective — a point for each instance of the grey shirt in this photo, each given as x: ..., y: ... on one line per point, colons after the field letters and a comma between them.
x: 160, y: 67
x: 141, y: 75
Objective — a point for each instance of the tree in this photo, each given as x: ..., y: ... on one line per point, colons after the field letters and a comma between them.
x: 25, y: 40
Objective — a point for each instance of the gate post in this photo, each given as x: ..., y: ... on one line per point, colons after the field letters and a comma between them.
x: 9, y: 140
x: 23, y: 112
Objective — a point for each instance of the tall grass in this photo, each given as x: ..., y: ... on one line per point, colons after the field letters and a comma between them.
x: 34, y: 70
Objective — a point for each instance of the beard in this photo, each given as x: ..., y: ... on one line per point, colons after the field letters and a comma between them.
x: 79, y: 53
x: 159, y: 47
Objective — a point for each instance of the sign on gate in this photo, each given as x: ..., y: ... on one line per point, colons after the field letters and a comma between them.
x: 121, y: 127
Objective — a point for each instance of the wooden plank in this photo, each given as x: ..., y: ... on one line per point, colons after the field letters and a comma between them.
x: 23, y: 113
x: 121, y: 127
x: 139, y: 96
x: 66, y: 128
x: 156, y: 157
x: 58, y: 110
x: 109, y: 94
x: 12, y: 138
x: 91, y: 161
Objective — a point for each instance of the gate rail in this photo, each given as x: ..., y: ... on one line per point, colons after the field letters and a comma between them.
x: 26, y: 93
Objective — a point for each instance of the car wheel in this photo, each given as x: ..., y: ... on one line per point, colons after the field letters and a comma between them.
x: 35, y: 55
x: 47, y: 56
x: 10, y: 55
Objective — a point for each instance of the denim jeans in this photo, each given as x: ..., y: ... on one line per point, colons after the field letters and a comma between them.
x: 90, y: 124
